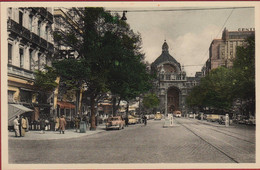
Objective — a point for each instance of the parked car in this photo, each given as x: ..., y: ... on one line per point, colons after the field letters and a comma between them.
x: 132, y: 120
x: 191, y: 115
x: 158, y: 116
x: 177, y: 113
x: 115, y: 122
x: 151, y: 116
x: 213, y: 117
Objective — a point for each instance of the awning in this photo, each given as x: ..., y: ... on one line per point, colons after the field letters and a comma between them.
x: 14, y: 110
x: 65, y: 105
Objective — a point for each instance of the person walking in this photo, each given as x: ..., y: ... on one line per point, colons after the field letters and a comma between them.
x: 20, y: 126
x: 16, y: 126
x: 145, y: 120
x: 126, y: 121
x: 57, y: 123
x: 24, y: 126
x: 42, y: 125
x: 62, y: 124
x: 77, y: 122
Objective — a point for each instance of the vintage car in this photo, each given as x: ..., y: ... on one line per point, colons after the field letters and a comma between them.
x: 115, y: 122
x: 213, y: 117
x: 177, y: 113
x: 158, y: 116
x: 132, y: 120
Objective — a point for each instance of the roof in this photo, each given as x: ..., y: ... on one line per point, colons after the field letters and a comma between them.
x: 165, y: 57
x: 65, y: 105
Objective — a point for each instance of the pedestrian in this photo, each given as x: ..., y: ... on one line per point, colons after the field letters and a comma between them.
x: 27, y: 122
x: 24, y: 126
x: 126, y: 121
x: 42, y: 125
x: 77, y: 120
x: 16, y: 126
x: 20, y: 126
x: 62, y: 124
x: 57, y: 123
x: 145, y: 120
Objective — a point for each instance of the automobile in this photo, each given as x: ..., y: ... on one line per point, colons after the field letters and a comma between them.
x: 250, y: 121
x: 158, y: 116
x: 115, y: 122
x: 151, y: 116
x: 132, y: 120
x: 213, y: 117
x: 138, y: 119
x: 191, y: 115
x: 147, y: 117
x: 177, y: 113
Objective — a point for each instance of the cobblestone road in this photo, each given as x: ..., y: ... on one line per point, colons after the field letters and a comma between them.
x: 189, y: 141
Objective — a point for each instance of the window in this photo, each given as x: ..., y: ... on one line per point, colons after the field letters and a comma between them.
x: 168, y: 77
x: 20, y: 18
x: 21, y: 58
x: 39, y: 60
x: 39, y: 28
x: 162, y: 76
x: 30, y: 22
x: 30, y: 59
x: 10, y: 96
x: 10, y: 53
x: 46, y: 32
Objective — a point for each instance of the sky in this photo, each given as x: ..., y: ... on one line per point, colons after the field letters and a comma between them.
x: 187, y: 33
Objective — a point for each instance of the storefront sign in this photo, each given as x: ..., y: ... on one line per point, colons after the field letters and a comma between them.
x: 246, y: 29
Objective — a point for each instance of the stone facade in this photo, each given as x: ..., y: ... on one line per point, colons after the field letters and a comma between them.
x: 30, y: 48
x: 222, y: 51
x: 172, y: 85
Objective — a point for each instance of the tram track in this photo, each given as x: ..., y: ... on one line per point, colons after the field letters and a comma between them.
x: 208, y: 142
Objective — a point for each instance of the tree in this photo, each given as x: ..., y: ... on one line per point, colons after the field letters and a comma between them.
x: 151, y: 101
x: 214, y: 91
x: 105, y: 46
x: 244, y: 75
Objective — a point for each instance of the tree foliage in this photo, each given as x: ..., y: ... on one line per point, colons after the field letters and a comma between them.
x: 151, y: 101
x: 107, y: 58
x: 222, y: 86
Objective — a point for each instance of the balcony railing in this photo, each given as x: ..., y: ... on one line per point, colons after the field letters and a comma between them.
x: 20, y: 72
x: 172, y: 77
x: 44, y: 13
x: 28, y: 35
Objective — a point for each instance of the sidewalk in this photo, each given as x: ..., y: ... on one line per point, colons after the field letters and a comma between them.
x: 51, y: 135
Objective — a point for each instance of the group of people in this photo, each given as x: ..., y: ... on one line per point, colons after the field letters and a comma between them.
x: 60, y: 124
x: 20, y: 126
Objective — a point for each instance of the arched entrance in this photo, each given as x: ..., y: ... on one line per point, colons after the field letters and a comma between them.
x: 173, y: 99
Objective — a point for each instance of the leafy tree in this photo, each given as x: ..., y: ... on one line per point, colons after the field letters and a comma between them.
x: 244, y: 74
x: 214, y: 91
x: 151, y: 101
x: 107, y: 50
x: 45, y: 79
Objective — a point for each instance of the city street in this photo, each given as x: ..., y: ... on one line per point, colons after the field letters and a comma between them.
x: 188, y: 141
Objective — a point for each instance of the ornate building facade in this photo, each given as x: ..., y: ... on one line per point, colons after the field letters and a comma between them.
x: 30, y: 48
x: 172, y: 84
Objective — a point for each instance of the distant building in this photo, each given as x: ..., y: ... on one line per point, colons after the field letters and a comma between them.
x: 172, y: 85
x: 222, y: 52
x: 30, y: 48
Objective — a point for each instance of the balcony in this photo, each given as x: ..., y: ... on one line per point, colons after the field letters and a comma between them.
x: 17, y: 71
x: 28, y: 35
x: 44, y: 13
x: 43, y: 43
x: 172, y: 77
x: 14, y: 26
